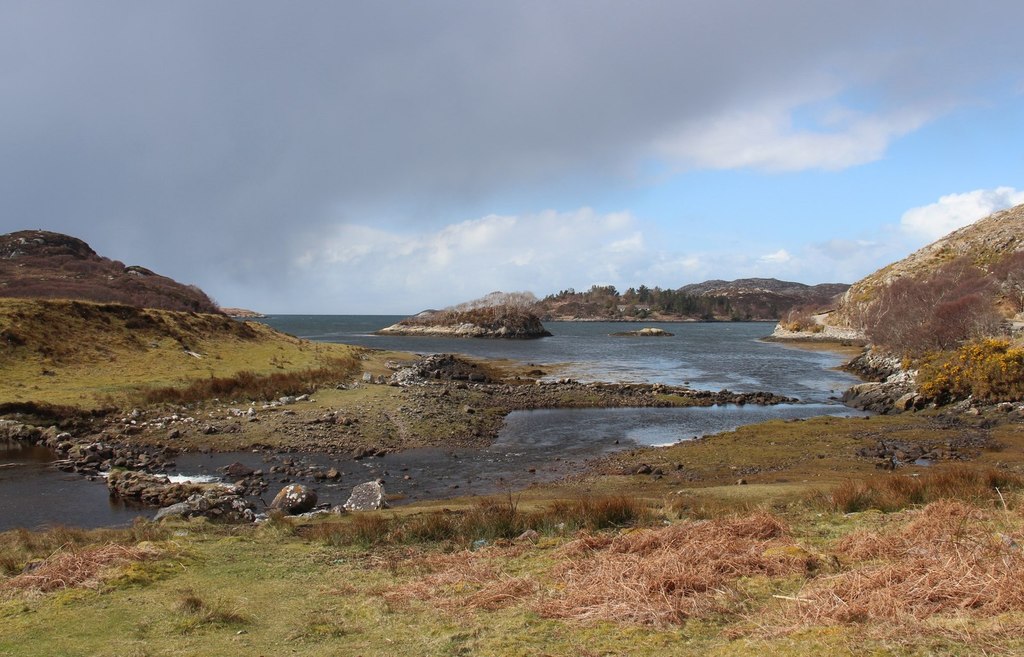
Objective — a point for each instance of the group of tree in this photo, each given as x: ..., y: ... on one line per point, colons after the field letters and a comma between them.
x: 604, y: 301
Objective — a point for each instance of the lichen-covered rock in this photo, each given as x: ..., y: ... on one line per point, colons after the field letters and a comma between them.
x: 224, y: 505
x: 367, y: 497
x: 294, y: 499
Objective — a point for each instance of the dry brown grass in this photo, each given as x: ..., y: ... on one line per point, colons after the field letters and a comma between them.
x: 76, y: 568
x: 248, y: 385
x: 891, y: 492
x: 950, y: 559
x: 462, y: 580
x: 663, y: 576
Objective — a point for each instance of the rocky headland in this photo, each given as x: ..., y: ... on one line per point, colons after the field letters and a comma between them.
x: 499, y: 315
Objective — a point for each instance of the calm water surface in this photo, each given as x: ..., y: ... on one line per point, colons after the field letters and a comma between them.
x: 534, y: 446
x: 709, y: 356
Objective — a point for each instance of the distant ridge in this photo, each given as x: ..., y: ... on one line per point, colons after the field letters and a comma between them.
x: 46, y: 265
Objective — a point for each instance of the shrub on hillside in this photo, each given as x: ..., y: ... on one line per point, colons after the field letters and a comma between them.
x: 914, y: 316
x: 990, y: 369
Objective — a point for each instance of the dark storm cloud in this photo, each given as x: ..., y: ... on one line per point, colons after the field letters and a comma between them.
x: 213, y: 140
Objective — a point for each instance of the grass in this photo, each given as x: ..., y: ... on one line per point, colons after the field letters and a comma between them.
x: 120, y: 355
x: 894, y: 492
x: 605, y: 576
x: 248, y: 385
x: 488, y: 520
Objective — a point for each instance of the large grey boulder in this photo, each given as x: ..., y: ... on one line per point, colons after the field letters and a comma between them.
x: 367, y: 497
x: 294, y: 499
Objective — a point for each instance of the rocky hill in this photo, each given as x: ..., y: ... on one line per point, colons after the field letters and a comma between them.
x: 743, y: 299
x: 991, y: 245
x: 42, y: 264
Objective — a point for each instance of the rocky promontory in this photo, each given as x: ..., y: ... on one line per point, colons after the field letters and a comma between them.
x: 493, y: 318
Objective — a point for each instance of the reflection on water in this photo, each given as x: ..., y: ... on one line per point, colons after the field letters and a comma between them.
x: 33, y: 493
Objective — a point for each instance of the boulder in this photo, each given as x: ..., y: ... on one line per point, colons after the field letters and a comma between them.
x: 222, y: 504
x: 294, y: 499
x: 237, y: 470
x: 367, y: 497
x: 647, y: 332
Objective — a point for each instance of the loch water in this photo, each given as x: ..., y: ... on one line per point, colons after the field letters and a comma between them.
x: 533, y: 446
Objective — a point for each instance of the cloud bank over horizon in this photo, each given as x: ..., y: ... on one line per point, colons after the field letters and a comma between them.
x: 354, y: 157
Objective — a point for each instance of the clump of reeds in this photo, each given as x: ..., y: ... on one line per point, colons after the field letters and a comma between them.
x: 663, y: 576
x: 489, y: 520
x: 19, y: 547
x: 892, y: 492
x: 197, y: 612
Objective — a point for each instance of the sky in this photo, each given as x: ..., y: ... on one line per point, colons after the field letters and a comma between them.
x: 386, y: 157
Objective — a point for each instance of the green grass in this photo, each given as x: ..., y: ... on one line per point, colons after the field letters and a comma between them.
x: 270, y: 590
x: 119, y: 355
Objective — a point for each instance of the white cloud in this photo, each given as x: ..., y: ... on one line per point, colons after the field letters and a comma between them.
x: 930, y: 222
x: 780, y: 257
x: 406, y: 271
x: 766, y: 138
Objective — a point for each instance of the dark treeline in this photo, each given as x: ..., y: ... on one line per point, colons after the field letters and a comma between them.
x: 642, y: 302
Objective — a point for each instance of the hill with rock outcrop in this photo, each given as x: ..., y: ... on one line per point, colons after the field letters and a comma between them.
x: 508, y: 315
x: 993, y: 245
x: 46, y: 265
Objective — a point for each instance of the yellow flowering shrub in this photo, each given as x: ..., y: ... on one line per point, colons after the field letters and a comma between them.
x: 990, y: 369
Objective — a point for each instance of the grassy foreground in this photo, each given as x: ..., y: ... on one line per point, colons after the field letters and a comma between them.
x: 601, y: 576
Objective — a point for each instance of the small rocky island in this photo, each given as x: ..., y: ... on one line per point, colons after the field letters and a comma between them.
x: 497, y: 315
x: 647, y: 332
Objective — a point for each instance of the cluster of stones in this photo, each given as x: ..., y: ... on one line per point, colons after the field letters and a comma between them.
x: 891, y: 454
x: 90, y: 457
x: 440, y: 367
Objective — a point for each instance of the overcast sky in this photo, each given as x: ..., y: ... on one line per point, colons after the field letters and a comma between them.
x: 363, y: 157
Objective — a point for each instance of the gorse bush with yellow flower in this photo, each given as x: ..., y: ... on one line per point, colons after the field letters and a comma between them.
x: 989, y: 369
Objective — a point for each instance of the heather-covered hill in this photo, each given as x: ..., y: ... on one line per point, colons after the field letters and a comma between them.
x: 46, y: 265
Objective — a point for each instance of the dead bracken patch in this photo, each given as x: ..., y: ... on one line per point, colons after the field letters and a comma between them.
x: 76, y: 568
x: 950, y: 559
x: 462, y: 580
x: 663, y: 576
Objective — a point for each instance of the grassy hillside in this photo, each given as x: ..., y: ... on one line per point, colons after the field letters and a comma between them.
x: 90, y: 355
